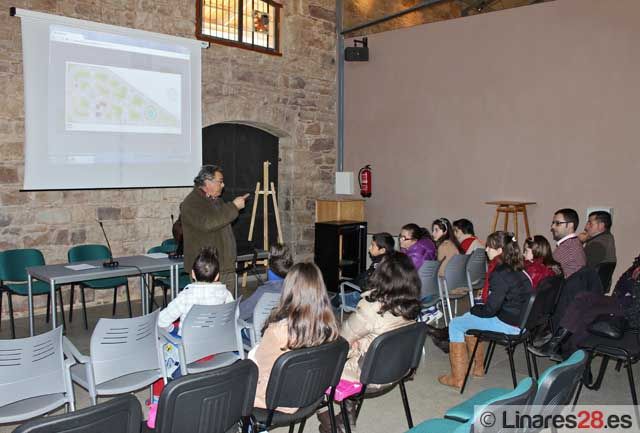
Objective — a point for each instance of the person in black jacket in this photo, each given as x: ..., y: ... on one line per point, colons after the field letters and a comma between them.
x: 509, y: 291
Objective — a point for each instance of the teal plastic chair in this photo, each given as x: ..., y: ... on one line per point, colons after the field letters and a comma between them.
x: 168, y: 245
x: 13, y: 280
x: 522, y: 395
x: 162, y: 279
x: 556, y: 386
x: 84, y: 253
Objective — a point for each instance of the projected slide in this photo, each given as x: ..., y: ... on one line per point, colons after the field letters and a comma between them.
x: 111, y: 99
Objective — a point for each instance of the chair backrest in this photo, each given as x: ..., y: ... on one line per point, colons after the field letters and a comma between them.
x: 545, y: 301
x: 210, y: 329
x: 428, y: 274
x: 392, y: 354
x: 476, y: 268
x: 210, y: 402
x: 83, y: 253
x: 522, y: 395
x: 156, y: 249
x: 605, y: 272
x: 300, y: 377
x: 118, y: 415
x: 558, y: 383
x: 124, y: 346
x: 262, y: 310
x: 455, y: 273
x: 31, y: 367
x: 13, y: 263
x: 169, y: 245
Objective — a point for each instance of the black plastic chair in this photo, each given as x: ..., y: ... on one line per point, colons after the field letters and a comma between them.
x: 213, y: 401
x: 299, y: 378
x: 391, y: 358
x: 119, y: 415
x: 534, y: 313
x: 625, y: 351
x: 605, y: 272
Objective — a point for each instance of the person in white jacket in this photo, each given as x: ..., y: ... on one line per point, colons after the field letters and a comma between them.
x: 205, y: 290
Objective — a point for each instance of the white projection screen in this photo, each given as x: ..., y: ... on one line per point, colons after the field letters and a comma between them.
x: 107, y: 106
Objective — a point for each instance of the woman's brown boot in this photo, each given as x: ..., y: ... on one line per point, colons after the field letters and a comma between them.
x: 325, y: 422
x: 459, y: 359
x: 478, y: 365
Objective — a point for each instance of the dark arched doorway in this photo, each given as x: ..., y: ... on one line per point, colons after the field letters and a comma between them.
x: 241, y: 151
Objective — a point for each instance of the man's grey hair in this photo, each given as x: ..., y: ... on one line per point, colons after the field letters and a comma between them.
x: 207, y: 172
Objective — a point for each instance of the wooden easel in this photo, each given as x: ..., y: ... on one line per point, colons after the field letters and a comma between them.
x: 269, y: 190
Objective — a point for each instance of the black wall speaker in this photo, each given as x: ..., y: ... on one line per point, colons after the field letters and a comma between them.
x: 356, y: 54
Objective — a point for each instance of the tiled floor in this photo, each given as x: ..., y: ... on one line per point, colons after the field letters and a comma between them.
x: 384, y: 414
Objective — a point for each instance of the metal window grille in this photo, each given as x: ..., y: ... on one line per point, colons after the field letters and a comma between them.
x: 251, y: 24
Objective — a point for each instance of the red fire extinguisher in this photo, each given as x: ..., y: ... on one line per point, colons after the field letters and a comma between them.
x: 364, y: 179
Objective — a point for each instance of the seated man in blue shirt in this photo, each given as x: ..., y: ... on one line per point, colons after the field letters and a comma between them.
x: 280, y: 262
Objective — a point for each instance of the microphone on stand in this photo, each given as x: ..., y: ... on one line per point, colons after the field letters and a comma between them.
x: 109, y: 263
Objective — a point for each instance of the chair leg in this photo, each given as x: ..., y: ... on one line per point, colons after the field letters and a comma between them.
x: 13, y: 324
x: 129, y: 300
x: 345, y: 417
x: 471, y: 360
x: 48, y: 307
x: 64, y: 323
x: 301, y: 426
x: 71, y: 292
x: 405, y: 403
x: 632, y: 384
x: 84, y: 308
x: 487, y: 360
x: 512, y: 365
x: 575, y: 399
x: 534, y: 360
x: 332, y: 415
x: 292, y: 427
x: 528, y: 359
x: 115, y: 298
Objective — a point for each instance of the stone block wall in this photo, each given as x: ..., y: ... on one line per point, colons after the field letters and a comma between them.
x: 292, y: 96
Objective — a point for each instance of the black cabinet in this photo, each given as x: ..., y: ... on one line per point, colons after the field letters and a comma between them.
x: 340, y: 250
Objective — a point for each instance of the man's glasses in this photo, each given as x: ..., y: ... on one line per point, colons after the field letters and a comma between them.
x: 557, y: 223
x: 404, y: 238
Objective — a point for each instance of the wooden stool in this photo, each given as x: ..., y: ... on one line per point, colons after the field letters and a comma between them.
x: 511, y: 207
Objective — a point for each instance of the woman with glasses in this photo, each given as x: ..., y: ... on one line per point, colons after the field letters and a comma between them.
x: 446, y: 242
x: 416, y: 243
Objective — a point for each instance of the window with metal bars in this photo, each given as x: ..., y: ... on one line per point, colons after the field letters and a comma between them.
x: 251, y: 24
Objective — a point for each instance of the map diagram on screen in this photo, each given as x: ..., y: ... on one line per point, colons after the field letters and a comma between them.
x: 112, y: 99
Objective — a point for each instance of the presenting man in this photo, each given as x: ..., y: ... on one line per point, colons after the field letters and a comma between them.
x: 206, y: 222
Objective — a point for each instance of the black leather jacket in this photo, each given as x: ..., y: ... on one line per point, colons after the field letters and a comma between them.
x: 509, y: 293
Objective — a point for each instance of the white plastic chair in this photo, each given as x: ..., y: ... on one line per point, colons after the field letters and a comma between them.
x: 123, y: 357
x: 476, y: 271
x: 34, y: 377
x: 455, y: 275
x: 207, y: 330
x: 343, y: 306
x: 261, y: 312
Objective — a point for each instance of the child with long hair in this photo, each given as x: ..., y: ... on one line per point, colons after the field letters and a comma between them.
x: 446, y: 242
x: 392, y: 301
x: 416, y: 243
x: 303, y: 318
x: 538, y: 260
x: 509, y: 291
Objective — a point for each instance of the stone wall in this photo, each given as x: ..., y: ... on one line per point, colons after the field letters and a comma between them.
x: 292, y: 96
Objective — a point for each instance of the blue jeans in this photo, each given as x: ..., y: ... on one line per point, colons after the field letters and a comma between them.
x: 459, y: 326
x: 351, y: 299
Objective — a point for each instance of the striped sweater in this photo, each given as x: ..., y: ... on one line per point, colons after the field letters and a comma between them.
x: 570, y: 254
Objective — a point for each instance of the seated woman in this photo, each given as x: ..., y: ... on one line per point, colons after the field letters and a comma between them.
x: 302, y: 319
x: 538, y: 261
x: 416, y: 243
x: 391, y: 302
x: 587, y: 306
x: 465, y: 235
x: 445, y: 241
x: 280, y: 262
x: 381, y: 245
x: 509, y: 291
